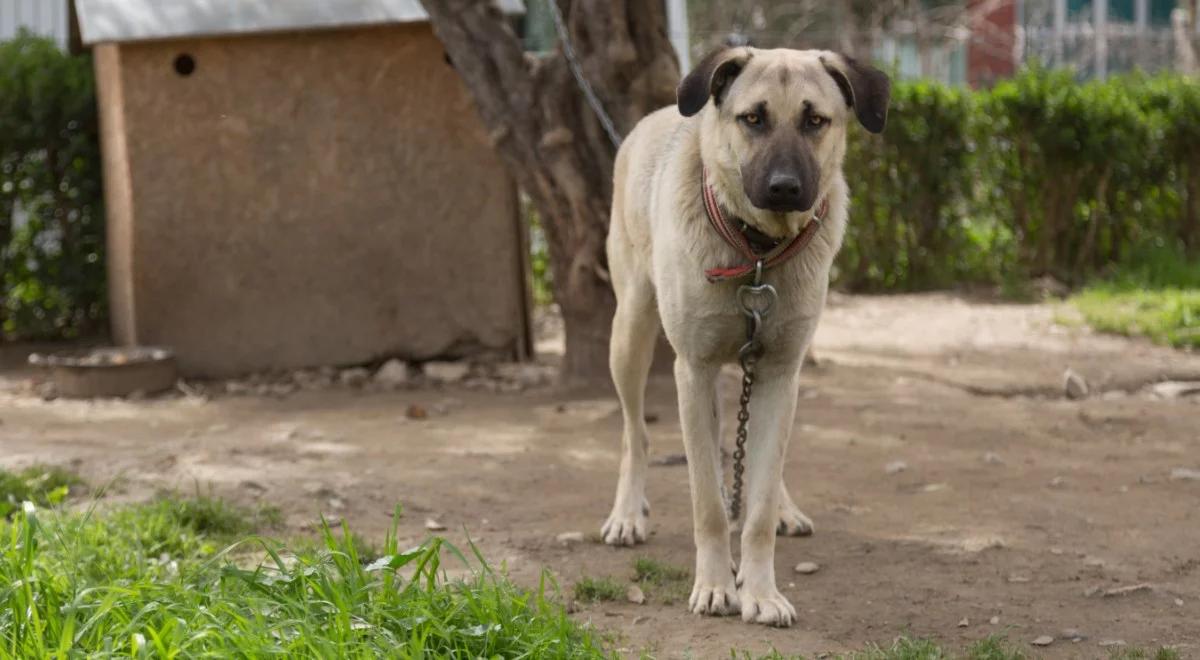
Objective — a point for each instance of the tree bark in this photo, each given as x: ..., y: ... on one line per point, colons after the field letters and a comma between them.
x: 542, y: 127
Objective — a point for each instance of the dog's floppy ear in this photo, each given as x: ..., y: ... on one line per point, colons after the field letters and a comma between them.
x: 866, y: 89
x: 710, y: 78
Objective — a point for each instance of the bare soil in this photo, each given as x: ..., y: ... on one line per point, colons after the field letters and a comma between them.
x: 1016, y: 505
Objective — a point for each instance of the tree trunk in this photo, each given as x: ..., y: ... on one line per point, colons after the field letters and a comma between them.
x: 542, y: 126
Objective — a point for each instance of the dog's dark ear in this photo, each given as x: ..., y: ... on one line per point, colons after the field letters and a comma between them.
x: 710, y: 78
x: 867, y: 89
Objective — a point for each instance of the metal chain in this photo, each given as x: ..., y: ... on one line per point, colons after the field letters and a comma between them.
x: 739, y: 453
x: 756, y: 301
x: 560, y: 26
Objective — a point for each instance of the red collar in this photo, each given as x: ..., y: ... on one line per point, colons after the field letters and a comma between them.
x: 736, y: 238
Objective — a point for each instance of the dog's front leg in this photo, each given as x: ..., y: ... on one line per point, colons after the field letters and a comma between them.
x: 772, y: 410
x: 714, y: 591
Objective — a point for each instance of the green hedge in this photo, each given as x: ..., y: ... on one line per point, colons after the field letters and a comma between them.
x: 1040, y: 175
x: 51, y: 215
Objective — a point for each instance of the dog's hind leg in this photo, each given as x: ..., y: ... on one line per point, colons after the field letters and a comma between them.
x: 634, y: 333
x: 792, y: 521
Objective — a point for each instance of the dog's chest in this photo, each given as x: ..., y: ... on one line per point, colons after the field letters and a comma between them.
x: 705, y: 321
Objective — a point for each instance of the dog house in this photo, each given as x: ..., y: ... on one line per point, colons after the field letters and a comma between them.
x: 299, y: 183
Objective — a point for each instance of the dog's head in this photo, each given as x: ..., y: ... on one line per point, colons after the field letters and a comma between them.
x: 777, y: 124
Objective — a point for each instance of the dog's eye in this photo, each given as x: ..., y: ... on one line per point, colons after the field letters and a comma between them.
x: 751, y: 119
x: 816, y: 121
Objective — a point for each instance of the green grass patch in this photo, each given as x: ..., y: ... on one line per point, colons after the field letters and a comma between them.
x: 1155, y: 294
x: 995, y: 647
x: 662, y: 582
x: 598, y: 590
x: 162, y: 580
x: 1166, y: 316
x: 1162, y: 653
x: 44, y: 485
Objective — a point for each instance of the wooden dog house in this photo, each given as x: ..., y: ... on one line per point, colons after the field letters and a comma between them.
x: 299, y: 183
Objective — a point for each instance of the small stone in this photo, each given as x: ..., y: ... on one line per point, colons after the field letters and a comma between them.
x: 1093, y: 562
x: 1019, y: 579
x: 1107, y: 643
x: 1073, y: 634
x: 392, y: 374
x: 1127, y: 590
x: 237, y: 388
x: 995, y: 621
x: 415, y: 411
x: 354, y: 377
x: 1074, y: 385
x: 1185, y: 474
x: 1057, y: 482
x: 640, y: 619
x: 47, y: 391
x: 1044, y: 640
x: 336, y: 504
x: 1174, y: 389
x: 446, y: 372
x: 1091, y: 591
x: 964, y: 622
x: 807, y: 568
x: 895, y: 467
x: 992, y: 458
x: 281, y: 390
x: 525, y: 374
x: 1056, y: 551
x: 1179, y: 602
x: 569, y: 538
x: 434, y: 526
x: 634, y: 594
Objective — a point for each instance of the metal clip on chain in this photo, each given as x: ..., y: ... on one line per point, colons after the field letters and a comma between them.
x: 756, y: 301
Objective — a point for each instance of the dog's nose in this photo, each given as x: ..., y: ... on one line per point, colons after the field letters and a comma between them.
x: 785, y: 192
x: 784, y: 186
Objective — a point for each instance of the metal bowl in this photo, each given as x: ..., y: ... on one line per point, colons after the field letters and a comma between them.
x: 109, y: 372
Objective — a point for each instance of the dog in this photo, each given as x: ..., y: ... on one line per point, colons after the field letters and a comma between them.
x: 764, y: 131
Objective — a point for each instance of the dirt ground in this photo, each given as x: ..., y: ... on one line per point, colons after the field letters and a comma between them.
x: 1016, y: 512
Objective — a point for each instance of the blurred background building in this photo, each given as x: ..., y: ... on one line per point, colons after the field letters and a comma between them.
x: 955, y: 41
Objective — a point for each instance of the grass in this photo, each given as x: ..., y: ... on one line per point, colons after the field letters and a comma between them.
x: 1163, y: 653
x: 995, y: 647
x: 43, y: 485
x: 163, y: 580
x: 1165, y: 316
x: 179, y: 577
x: 598, y: 590
x: 662, y: 582
x: 1155, y: 294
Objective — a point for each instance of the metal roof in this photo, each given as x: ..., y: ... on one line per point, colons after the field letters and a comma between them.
x: 133, y: 20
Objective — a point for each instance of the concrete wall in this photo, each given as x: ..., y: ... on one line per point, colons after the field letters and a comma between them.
x: 303, y: 199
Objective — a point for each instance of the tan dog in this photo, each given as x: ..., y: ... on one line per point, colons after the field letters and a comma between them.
x: 769, y: 129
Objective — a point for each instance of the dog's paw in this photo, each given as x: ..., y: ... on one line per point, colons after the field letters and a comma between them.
x: 714, y: 599
x: 768, y: 607
x: 792, y: 521
x: 625, y: 527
